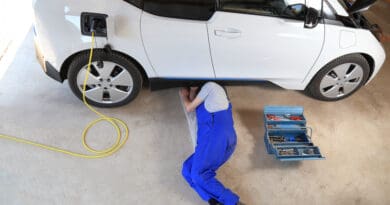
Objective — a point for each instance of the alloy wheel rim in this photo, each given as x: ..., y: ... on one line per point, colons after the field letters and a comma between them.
x: 107, y: 83
x: 341, y: 80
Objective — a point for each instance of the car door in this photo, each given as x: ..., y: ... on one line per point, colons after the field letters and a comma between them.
x: 260, y: 39
x: 175, y: 38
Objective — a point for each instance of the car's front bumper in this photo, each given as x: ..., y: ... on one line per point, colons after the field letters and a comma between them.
x: 46, y: 66
x: 39, y: 55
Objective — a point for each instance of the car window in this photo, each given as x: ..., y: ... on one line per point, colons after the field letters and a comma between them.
x: 279, y: 8
x: 184, y: 9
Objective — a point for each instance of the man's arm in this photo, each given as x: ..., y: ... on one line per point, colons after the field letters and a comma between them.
x: 189, y: 105
x: 193, y: 92
x: 192, y: 105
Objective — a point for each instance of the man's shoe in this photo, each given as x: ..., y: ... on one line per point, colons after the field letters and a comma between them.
x: 214, y: 202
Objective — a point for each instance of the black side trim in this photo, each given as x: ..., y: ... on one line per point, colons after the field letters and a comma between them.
x: 137, y: 3
x: 161, y: 83
x: 53, y: 73
x: 201, y: 10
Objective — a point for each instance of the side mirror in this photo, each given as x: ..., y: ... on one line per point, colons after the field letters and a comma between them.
x: 297, y: 11
x: 312, y: 18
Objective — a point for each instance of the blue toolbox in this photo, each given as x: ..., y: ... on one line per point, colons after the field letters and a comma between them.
x: 287, y: 136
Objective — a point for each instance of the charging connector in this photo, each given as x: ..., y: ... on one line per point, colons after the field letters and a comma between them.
x: 94, y: 22
x: 92, y: 27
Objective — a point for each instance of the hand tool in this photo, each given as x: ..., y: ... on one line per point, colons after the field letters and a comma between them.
x: 290, y: 151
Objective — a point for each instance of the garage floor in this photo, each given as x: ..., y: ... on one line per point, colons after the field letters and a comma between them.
x: 352, y: 134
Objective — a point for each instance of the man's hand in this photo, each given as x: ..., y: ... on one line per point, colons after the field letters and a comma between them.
x: 184, y: 92
x: 190, y: 105
x: 193, y: 92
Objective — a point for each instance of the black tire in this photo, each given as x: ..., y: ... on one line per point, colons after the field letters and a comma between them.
x: 314, y: 87
x: 81, y: 60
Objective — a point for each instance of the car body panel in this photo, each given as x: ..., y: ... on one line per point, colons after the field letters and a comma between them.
x: 177, y: 48
x: 57, y: 24
x: 282, y: 50
x: 59, y: 37
x: 365, y: 43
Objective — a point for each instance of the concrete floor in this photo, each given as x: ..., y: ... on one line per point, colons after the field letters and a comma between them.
x: 352, y: 134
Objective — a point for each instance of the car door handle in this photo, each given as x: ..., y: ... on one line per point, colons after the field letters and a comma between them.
x: 228, y: 33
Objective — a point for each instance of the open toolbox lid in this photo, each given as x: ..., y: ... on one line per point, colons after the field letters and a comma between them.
x: 287, y: 115
x: 286, y: 135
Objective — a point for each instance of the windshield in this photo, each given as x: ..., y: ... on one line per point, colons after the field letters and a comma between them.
x: 264, y: 7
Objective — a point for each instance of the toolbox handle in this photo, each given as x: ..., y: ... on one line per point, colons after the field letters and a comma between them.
x: 294, y: 129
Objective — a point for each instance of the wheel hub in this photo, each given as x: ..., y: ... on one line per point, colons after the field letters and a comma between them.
x: 108, y: 82
x: 341, y: 80
x: 105, y: 83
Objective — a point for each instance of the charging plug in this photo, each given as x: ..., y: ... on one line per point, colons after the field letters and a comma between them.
x: 93, y: 23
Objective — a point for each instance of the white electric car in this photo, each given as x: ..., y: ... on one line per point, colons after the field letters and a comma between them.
x: 326, y: 47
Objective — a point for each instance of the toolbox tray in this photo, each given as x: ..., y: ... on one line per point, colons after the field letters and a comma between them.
x: 289, y: 140
x: 300, y: 153
x: 283, y: 112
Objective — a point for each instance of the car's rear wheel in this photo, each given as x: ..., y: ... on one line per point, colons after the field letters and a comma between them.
x: 340, y: 78
x: 113, y: 79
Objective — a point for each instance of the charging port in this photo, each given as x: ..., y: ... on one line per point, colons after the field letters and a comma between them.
x: 94, y: 22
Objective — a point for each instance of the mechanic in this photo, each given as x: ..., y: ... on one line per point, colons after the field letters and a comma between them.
x: 216, y: 141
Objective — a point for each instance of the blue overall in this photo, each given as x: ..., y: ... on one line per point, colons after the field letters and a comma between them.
x: 215, y: 144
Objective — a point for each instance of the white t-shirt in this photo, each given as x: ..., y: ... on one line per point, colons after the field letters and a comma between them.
x: 214, y: 97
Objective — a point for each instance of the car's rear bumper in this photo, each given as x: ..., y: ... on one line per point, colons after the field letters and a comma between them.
x: 46, y: 66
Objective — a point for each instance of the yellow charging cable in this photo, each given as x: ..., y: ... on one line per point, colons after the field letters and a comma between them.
x: 115, y: 122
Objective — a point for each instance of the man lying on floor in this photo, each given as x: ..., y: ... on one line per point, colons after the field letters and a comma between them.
x: 216, y: 141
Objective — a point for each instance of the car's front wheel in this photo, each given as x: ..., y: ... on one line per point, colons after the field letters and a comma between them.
x: 340, y: 78
x: 113, y: 79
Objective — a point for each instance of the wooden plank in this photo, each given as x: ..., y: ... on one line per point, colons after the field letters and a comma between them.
x: 192, y: 124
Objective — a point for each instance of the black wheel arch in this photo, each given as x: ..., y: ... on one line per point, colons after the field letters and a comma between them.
x: 368, y: 57
x: 371, y: 63
x: 364, y: 60
x: 65, y: 66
